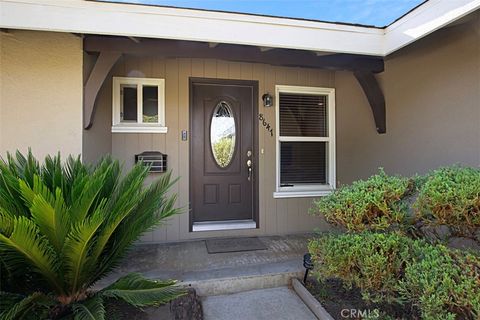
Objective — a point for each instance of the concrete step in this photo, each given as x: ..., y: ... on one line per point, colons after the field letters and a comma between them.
x: 222, y: 273
x: 235, y: 279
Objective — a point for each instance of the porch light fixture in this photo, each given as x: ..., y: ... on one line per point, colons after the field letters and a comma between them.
x: 267, y: 100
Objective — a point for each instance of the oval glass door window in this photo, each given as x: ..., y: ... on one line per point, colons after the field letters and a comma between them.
x: 222, y: 134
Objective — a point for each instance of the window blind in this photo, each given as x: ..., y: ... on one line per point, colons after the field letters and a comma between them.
x: 303, y: 115
x: 303, y: 162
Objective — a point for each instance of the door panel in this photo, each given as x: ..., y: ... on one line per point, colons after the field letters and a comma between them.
x: 223, y: 138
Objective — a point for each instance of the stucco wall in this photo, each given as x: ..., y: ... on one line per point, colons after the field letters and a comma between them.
x: 432, y: 92
x: 40, y: 92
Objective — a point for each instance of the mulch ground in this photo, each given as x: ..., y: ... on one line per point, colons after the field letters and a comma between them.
x: 344, y: 303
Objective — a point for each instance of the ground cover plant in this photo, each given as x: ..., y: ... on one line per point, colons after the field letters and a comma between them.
x: 383, y: 253
x: 64, y: 226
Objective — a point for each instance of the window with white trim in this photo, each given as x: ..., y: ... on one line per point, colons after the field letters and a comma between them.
x: 305, y: 122
x: 138, y: 105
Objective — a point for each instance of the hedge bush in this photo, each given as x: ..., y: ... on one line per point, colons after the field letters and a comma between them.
x: 451, y: 196
x: 442, y: 283
x: 371, y: 261
x: 372, y: 204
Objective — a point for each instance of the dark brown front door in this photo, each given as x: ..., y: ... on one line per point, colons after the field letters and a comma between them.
x: 222, y: 150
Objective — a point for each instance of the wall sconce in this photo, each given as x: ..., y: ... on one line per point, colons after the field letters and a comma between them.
x: 267, y: 100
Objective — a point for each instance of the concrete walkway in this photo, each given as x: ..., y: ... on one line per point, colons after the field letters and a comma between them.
x: 263, y: 304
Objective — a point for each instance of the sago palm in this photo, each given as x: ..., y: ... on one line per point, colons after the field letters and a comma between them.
x: 64, y: 226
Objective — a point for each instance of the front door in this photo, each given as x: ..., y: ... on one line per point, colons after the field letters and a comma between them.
x: 223, y: 156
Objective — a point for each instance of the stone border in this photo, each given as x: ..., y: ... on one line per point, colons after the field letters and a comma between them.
x: 312, y: 303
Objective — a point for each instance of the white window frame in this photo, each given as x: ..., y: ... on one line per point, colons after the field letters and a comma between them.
x: 139, y: 126
x: 307, y: 190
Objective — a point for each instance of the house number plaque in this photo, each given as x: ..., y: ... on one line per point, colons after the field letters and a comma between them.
x: 265, y: 124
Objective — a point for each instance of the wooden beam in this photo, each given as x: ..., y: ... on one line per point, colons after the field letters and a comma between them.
x: 375, y: 97
x: 79, y: 35
x: 134, y: 39
x: 363, y: 67
x: 265, y: 49
x: 191, y: 49
x: 102, y: 67
x: 323, y: 53
x: 6, y: 32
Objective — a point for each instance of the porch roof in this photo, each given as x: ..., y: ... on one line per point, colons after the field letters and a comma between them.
x: 91, y: 17
x: 111, y: 48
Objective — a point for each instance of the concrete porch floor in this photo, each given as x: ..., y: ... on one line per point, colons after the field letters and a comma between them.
x: 219, y: 273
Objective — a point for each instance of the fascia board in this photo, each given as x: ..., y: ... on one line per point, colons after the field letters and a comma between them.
x: 89, y: 17
x: 427, y: 18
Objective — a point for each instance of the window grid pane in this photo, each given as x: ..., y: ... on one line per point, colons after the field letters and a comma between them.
x: 128, y: 103
x: 150, y: 104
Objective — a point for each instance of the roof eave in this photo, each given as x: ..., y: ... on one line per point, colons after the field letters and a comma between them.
x: 425, y: 19
x: 89, y: 17
x: 78, y: 16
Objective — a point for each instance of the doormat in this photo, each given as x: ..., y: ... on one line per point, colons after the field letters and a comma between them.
x: 234, y: 245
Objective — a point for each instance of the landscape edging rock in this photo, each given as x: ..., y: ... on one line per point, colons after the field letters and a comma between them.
x: 313, y: 304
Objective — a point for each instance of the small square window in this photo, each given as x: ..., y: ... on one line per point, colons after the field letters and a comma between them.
x: 138, y: 105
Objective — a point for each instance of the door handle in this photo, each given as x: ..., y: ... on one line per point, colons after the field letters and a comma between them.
x: 249, y: 166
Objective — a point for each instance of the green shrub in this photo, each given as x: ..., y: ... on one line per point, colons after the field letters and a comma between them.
x: 64, y: 226
x: 441, y: 283
x: 444, y: 284
x: 371, y: 261
x: 451, y: 196
x: 223, y: 150
x: 373, y: 204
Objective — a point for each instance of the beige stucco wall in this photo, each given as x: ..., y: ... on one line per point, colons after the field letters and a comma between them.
x: 40, y: 92
x: 432, y: 92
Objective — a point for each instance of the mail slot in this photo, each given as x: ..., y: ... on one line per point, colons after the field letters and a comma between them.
x: 155, y: 159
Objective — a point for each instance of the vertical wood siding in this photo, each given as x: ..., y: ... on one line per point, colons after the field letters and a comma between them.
x: 277, y: 216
